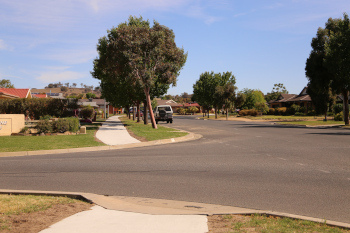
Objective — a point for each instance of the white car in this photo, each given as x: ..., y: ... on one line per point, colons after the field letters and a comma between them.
x: 163, y: 113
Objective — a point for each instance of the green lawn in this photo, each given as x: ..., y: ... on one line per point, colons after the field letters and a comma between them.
x: 150, y: 134
x: 30, y: 143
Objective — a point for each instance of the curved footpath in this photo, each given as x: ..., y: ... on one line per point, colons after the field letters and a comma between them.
x: 131, y: 214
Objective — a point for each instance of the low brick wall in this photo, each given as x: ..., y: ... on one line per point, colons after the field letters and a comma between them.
x: 11, y: 123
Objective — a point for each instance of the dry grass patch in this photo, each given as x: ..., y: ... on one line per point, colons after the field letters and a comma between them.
x: 28, y: 213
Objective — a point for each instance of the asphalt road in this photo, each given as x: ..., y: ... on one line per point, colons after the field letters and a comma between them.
x: 257, y: 165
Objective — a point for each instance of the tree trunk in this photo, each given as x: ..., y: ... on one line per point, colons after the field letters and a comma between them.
x: 346, y: 106
x: 148, y: 98
x: 208, y: 112
x: 216, y: 112
x: 138, y: 110
x: 133, y: 112
x: 325, y: 116
x: 226, y: 114
x: 145, y: 113
x: 128, y: 111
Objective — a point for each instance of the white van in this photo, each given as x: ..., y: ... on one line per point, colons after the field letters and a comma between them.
x: 163, y: 113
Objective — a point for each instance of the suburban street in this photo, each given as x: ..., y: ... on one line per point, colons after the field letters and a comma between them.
x: 258, y: 165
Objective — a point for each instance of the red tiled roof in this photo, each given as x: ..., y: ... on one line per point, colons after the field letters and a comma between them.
x: 21, y: 93
x: 40, y: 95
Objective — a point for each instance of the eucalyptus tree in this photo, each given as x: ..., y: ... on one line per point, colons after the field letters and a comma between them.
x: 328, y: 66
x: 338, y: 61
x: 141, y: 53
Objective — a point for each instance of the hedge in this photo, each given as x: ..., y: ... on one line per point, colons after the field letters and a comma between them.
x: 59, y: 126
x: 35, y: 108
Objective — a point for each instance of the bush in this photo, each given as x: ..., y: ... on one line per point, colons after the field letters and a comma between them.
x: 192, y: 109
x: 302, y: 109
x: 248, y: 112
x: 293, y: 109
x: 87, y: 112
x: 271, y: 111
x: 60, y: 126
x: 337, y: 108
x: 36, y: 108
x: 47, y: 117
x: 281, y: 111
x: 299, y: 114
x: 44, y: 126
x: 338, y: 116
x: 182, y: 111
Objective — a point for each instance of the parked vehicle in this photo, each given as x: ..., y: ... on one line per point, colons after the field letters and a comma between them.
x: 163, y: 113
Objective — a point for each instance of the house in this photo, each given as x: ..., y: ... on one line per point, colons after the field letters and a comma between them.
x: 175, y: 106
x: 188, y: 105
x: 14, y: 93
x: 100, y: 104
x: 40, y: 96
x: 287, y: 100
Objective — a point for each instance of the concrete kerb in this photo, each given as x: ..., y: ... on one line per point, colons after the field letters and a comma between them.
x: 166, y: 207
x: 189, y: 137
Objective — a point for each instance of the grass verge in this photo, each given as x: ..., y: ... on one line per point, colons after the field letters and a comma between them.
x: 268, y: 224
x: 12, y: 206
x: 31, y: 143
x: 147, y: 132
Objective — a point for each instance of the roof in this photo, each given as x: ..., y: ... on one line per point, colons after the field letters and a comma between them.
x: 172, y: 103
x: 283, y: 98
x: 191, y: 105
x: 96, y: 101
x: 39, y: 95
x: 15, y: 93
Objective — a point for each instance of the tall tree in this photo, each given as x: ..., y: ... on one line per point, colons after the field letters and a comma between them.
x: 277, y: 89
x: 209, y: 90
x: 252, y: 98
x: 141, y: 53
x: 6, y: 83
x: 319, y: 85
x: 338, y: 61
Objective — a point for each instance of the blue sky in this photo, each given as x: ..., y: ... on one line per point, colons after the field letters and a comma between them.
x: 261, y: 42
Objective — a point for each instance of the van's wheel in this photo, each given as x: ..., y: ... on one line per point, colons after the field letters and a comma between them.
x: 171, y: 121
x: 167, y: 122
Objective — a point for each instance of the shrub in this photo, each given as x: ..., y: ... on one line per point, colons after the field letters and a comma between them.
x: 337, y: 108
x: 271, y: 111
x: 248, y: 112
x: 46, y: 117
x: 87, y: 112
x: 73, y: 124
x: 302, y: 109
x: 293, y: 109
x: 44, y: 126
x: 60, y: 126
x: 338, y: 116
x: 299, y: 114
x: 192, y: 109
x: 182, y: 111
x: 282, y: 111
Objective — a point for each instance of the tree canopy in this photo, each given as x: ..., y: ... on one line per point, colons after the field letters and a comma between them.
x: 213, y: 89
x: 277, y: 89
x: 6, y: 83
x: 328, y: 66
x: 140, y: 57
x: 253, y: 99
